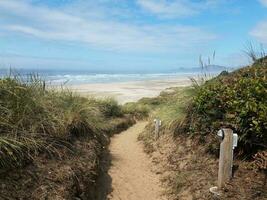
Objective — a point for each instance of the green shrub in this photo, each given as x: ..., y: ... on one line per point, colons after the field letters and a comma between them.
x: 238, y: 101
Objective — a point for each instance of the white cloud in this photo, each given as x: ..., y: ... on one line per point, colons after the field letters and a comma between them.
x: 263, y: 2
x: 260, y: 32
x: 177, y: 8
x: 22, y: 17
x: 168, y: 9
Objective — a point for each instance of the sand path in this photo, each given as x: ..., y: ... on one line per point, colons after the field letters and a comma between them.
x: 132, y: 178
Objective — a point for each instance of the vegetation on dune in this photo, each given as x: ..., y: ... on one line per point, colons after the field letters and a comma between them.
x: 34, y: 119
x: 237, y: 100
x: 169, y: 105
x: 191, y: 118
x: 39, y: 125
x: 139, y: 111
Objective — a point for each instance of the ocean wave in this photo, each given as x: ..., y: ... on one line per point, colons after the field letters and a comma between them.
x: 75, y: 77
x: 109, y: 78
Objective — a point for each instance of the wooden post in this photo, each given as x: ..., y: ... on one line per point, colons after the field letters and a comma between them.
x: 226, y: 158
x: 157, y: 125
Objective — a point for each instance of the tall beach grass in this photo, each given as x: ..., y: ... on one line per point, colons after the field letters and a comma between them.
x: 36, y: 120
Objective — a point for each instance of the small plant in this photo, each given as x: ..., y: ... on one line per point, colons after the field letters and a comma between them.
x: 204, y: 76
x: 256, y: 54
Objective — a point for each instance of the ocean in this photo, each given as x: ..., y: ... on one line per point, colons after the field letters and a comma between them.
x: 58, y: 77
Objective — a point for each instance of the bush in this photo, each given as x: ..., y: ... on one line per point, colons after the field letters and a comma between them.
x: 238, y: 101
x: 137, y: 110
x: 109, y: 107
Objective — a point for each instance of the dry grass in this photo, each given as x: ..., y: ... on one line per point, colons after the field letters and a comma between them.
x: 34, y: 119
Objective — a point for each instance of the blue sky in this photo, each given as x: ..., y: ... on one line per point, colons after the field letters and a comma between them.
x: 128, y: 35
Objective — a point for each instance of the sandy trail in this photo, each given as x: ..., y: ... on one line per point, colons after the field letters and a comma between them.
x: 132, y: 178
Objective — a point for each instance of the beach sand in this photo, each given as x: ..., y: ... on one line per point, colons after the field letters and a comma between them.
x: 129, y: 91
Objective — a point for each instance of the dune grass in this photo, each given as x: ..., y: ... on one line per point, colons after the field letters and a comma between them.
x: 35, y: 120
x: 169, y: 106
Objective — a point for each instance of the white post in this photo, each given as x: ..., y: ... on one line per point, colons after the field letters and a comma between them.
x: 235, y: 141
x: 157, y: 127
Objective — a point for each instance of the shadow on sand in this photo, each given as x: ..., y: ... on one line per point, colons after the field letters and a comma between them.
x: 104, y: 181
